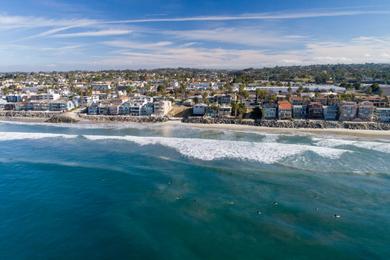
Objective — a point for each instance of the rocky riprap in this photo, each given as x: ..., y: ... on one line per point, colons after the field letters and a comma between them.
x: 62, y: 119
x: 315, y: 124
x: 28, y: 114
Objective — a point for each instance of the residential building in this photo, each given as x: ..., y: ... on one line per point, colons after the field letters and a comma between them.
x: 284, y: 110
x: 331, y: 112
x: 93, y: 109
x: 378, y: 101
x: 295, y: 101
x: 383, y: 115
x: 315, y: 110
x: 9, y: 106
x: 199, y: 109
x: 299, y: 111
x: 14, y: 98
x: 348, y: 111
x: 224, y: 111
x: 269, y: 111
x: 61, y: 105
x: 366, y: 111
x: 162, y: 107
x: 101, y: 87
x: 2, y: 103
x: 38, y: 106
x: 223, y: 99
x: 46, y: 96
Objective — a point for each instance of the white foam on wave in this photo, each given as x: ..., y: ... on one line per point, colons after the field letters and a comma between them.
x: 10, y: 136
x: 209, y: 149
x: 108, y: 125
x: 203, y: 149
x: 383, y: 147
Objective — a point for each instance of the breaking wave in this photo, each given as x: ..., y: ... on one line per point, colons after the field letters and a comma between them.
x: 209, y: 149
x: 10, y: 136
x: 202, y: 149
x: 383, y: 147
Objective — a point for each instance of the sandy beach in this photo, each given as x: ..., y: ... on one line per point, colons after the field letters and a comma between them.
x: 347, y: 133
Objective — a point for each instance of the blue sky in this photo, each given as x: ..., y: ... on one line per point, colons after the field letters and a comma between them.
x: 50, y: 35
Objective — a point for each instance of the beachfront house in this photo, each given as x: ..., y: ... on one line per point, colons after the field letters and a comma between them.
x: 9, y: 106
x: 2, y: 103
x: 38, y: 106
x: 315, y: 110
x: 93, y: 109
x: 161, y: 107
x: 147, y: 109
x: 348, y: 111
x: 269, y: 111
x: 199, y: 109
x: 61, y: 105
x: 284, y: 110
x: 299, y: 111
x: 383, y: 114
x: 331, y: 112
x: 113, y: 108
x: 366, y: 111
x: 224, y: 111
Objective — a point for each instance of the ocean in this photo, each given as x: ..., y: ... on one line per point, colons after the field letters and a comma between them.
x: 176, y: 192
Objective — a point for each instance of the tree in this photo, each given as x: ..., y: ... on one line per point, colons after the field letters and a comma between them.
x: 228, y: 88
x: 238, y: 108
x: 356, y: 85
x: 260, y: 94
x: 205, y: 96
x: 374, y: 89
x: 161, y: 89
x: 243, y: 93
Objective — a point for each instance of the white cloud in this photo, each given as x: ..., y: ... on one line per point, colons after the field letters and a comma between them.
x: 14, y: 22
x: 357, y: 50
x: 251, y: 36
x: 261, y: 16
x: 137, y: 45
x: 108, y: 32
x: 354, y: 51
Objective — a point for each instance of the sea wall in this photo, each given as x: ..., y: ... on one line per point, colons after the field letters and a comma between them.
x: 318, y: 124
x: 28, y: 114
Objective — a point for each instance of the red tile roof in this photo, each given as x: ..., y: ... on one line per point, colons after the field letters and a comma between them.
x: 285, y: 105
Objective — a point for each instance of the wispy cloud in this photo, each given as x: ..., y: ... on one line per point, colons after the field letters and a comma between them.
x: 14, y: 22
x: 261, y: 16
x: 101, y: 33
x: 137, y: 45
x: 356, y: 50
x: 251, y: 36
x: 7, y: 21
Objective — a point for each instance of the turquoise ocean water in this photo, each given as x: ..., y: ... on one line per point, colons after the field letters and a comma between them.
x: 172, y: 192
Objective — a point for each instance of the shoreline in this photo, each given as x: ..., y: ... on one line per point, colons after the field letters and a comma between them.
x: 340, y: 132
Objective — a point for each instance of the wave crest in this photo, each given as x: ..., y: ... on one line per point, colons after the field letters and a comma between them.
x: 383, y: 147
x: 203, y: 149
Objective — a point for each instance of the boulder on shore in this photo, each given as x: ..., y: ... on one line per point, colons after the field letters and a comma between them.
x: 61, y: 119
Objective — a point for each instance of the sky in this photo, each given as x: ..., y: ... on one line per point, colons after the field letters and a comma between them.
x: 61, y: 35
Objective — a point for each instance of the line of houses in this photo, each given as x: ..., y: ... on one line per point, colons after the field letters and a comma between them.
x: 138, y: 105
x: 39, y: 102
x: 344, y: 111
x: 318, y: 108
